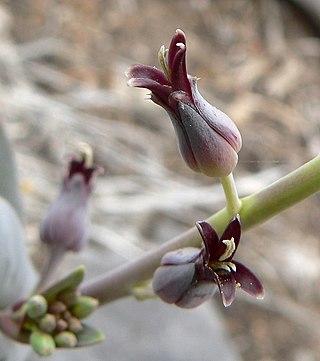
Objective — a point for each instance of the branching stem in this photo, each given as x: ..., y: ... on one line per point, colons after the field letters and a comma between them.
x: 255, y: 209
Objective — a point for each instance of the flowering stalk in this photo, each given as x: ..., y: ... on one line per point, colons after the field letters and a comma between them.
x: 255, y: 209
x: 231, y: 194
x: 65, y: 226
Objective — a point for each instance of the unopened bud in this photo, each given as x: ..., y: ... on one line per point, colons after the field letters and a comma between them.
x: 42, y: 343
x: 65, y: 339
x: 66, y: 222
x: 47, y: 323
x: 84, y: 306
x: 37, y: 306
x: 62, y: 325
x: 57, y: 307
x: 66, y: 315
x: 74, y: 325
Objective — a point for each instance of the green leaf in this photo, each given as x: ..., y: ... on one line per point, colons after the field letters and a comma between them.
x: 68, y: 283
x: 89, y: 336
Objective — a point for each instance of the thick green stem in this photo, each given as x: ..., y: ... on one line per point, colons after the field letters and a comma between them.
x: 231, y: 193
x: 255, y: 209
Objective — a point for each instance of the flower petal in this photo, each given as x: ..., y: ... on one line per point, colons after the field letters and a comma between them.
x: 227, y: 287
x: 216, y: 119
x: 180, y: 256
x: 179, y: 37
x: 160, y: 93
x: 248, y: 281
x: 177, y: 63
x: 197, y: 294
x: 210, y: 239
x: 170, y: 282
x: 233, y: 230
x: 147, y: 72
x: 214, y: 156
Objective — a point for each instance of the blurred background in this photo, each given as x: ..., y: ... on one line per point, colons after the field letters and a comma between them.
x: 62, y: 66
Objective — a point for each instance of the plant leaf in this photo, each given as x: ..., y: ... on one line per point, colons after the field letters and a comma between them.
x: 68, y: 283
x: 89, y: 336
x: 17, y: 274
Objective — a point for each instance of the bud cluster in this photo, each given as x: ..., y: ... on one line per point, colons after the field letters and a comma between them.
x: 56, y: 323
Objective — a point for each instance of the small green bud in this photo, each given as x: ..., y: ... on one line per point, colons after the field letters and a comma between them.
x: 47, y: 323
x: 65, y: 339
x: 66, y: 315
x: 84, y: 306
x: 42, y: 343
x: 74, y: 325
x: 37, y: 306
x: 61, y: 325
x: 57, y: 307
x: 28, y: 325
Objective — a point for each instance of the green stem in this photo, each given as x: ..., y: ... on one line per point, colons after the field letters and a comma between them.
x: 231, y: 193
x: 255, y: 209
x: 275, y: 198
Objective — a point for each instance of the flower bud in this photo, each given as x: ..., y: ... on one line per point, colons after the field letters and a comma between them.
x: 65, y: 339
x: 37, y: 306
x: 62, y: 325
x: 47, y: 323
x: 42, y: 343
x: 74, y: 325
x: 66, y: 315
x: 66, y: 223
x: 84, y: 306
x: 208, y: 139
x: 57, y: 307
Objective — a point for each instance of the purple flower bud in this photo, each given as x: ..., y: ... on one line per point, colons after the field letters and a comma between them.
x: 66, y: 223
x: 208, y: 139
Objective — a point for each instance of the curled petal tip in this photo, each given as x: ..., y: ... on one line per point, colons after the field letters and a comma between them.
x: 180, y: 32
x: 182, y: 46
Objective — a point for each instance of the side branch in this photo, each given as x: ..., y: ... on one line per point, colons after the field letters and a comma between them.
x: 255, y: 209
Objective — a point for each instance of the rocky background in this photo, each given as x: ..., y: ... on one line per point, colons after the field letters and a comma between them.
x: 62, y: 81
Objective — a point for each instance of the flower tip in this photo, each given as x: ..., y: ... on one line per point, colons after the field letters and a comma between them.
x: 261, y: 294
x: 180, y: 32
x: 127, y: 73
x: 179, y: 37
x: 86, y: 153
x: 227, y: 303
x: 130, y: 72
x: 130, y: 81
x: 200, y: 225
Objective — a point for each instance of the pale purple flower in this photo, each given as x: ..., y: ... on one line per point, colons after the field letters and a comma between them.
x: 66, y: 222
